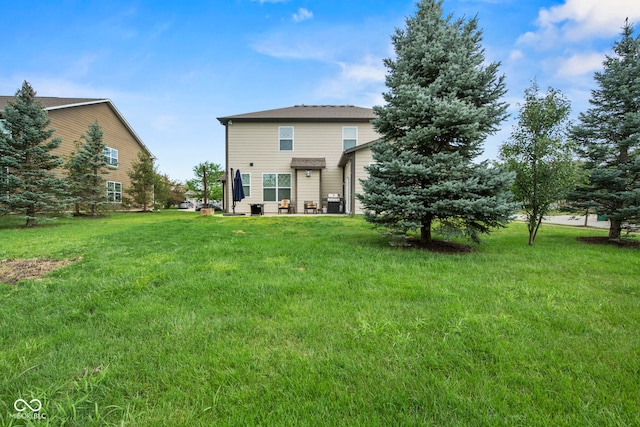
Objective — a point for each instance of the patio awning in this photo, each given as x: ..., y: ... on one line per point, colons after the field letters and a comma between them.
x: 308, y: 163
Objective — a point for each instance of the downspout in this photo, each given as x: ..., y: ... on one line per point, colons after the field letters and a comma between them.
x: 352, y: 193
x: 344, y: 186
x: 320, y: 188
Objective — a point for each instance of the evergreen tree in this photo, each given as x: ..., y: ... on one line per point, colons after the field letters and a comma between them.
x: 31, y: 185
x: 86, y: 169
x: 143, y: 177
x: 444, y: 100
x: 540, y: 156
x: 608, y: 135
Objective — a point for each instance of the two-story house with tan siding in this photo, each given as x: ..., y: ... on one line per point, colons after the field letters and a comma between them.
x: 301, y: 153
x: 71, y: 117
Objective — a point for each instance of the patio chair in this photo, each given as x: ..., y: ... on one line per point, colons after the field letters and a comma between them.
x: 310, y: 206
x: 285, y: 205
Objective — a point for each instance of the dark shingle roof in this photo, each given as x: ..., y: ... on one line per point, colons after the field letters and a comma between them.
x: 51, y: 102
x: 306, y: 113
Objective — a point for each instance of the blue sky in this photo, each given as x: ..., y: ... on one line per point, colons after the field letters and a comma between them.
x: 172, y: 67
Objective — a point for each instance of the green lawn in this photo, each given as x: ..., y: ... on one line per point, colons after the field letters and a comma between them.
x: 174, y: 319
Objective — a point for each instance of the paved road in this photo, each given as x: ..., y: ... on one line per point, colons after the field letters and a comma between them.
x: 574, y: 220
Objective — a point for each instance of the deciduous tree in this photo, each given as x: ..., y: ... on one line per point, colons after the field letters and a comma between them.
x: 540, y: 155
x: 167, y: 192
x: 213, y: 172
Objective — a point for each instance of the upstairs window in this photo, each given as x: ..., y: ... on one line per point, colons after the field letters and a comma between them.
x: 349, y: 137
x: 286, y: 138
x: 111, y: 157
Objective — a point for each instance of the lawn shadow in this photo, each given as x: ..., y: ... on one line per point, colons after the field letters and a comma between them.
x: 605, y: 240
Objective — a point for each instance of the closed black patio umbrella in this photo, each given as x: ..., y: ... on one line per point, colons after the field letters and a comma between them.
x: 237, y: 189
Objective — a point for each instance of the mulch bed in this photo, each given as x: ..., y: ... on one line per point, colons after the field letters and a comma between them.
x: 440, y: 246
x: 603, y: 240
x: 14, y: 270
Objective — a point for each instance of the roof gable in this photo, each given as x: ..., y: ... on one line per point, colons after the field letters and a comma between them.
x: 55, y: 103
x: 346, y: 154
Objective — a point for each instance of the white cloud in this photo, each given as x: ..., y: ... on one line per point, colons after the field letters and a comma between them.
x: 361, y: 83
x: 515, y: 55
x: 283, y: 47
x: 578, y: 20
x: 304, y: 43
x: 370, y: 70
x: 302, y: 15
x: 580, y: 64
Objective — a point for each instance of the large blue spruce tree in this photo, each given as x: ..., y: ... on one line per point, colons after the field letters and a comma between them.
x: 443, y: 101
x: 608, y: 135
x: 31, y: 185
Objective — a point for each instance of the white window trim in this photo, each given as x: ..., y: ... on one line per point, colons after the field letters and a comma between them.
x: 344, y: 139
x: 247, y: 194
x: 280, y: 138
x: 110, y: 157
x: 109, y: 199
x: 276, y: 187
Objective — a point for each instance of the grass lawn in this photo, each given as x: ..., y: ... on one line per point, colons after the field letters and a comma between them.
x: 174, y: 319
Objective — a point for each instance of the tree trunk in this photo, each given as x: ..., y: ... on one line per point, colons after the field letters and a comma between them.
x: 586, y: 217
x: 533, y: 229
x: 31, y: 220
x: 615, y: 228
x: 425, y: 231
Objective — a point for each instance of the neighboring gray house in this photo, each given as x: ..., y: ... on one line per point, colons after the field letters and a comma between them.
x: 301, y: 153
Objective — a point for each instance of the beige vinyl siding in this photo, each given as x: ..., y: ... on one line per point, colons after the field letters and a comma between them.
x: 72, y: 122
x: 362, y: 158
x: 308, y: 188
x: 347, y: 175
x: 258, y: 143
